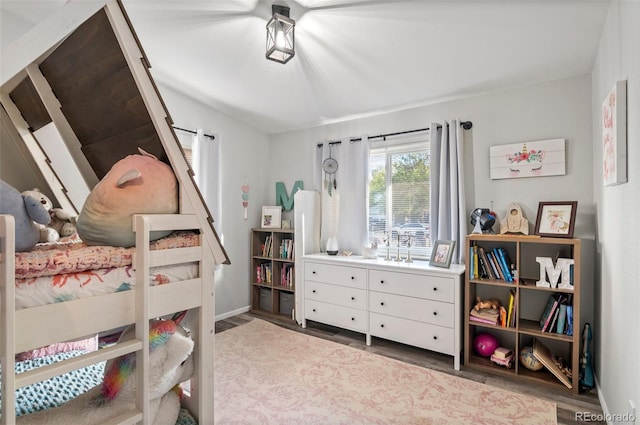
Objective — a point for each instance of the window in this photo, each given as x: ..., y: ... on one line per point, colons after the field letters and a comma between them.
x: 398, y: 195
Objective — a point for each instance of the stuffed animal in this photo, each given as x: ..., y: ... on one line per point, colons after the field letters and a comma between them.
x: 137, y: 184
x: 62, y: 223
x: 27, y: 212
x: 170, y: 363
x: 490, y: 303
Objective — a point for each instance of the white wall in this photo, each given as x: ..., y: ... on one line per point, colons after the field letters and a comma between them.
x: 243, y: 152
x: 558, y: 109
x: 617, y: 332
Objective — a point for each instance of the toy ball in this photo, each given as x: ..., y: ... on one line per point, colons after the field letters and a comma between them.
x: 485, y: 344
x: 528, y: 360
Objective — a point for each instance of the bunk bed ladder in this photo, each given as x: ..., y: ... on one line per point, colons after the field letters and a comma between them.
x: 7, y: 341
x: 142, y: 263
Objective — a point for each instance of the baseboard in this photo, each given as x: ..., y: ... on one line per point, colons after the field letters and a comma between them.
x: 233, y: 313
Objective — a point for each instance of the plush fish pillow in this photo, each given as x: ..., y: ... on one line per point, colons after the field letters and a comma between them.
x: 137, y: 184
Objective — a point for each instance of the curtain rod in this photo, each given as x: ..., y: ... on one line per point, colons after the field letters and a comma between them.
x: 464, y: 124
x: 212, y: 137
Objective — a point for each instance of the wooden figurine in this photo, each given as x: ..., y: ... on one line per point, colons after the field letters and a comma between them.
x: 514, y: 221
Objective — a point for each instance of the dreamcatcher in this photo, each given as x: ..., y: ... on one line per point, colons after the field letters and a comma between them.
x: 330, y: 166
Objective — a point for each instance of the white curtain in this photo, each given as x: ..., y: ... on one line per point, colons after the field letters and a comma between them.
x: 447, y: 214
x: 344, y: 207
x: 206, y: 169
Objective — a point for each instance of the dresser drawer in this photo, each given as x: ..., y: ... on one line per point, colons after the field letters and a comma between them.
x: 431, y: 287
x: 338, y: 275
x: 335, y: 294
x: 337, y: 315
x: 423, y: 335
x: 418, y: 309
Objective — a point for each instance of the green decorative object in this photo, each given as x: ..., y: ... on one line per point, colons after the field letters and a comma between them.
x: 284, y: 200
x: 528, y: 360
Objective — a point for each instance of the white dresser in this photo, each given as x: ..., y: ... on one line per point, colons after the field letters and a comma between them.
x: 411, y: 303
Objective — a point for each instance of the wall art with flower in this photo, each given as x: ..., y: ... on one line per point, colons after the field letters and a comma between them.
x: 528, y: 159
x: 614, y: 135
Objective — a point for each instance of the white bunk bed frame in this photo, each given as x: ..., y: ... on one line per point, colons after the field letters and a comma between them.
x: 35, y: 327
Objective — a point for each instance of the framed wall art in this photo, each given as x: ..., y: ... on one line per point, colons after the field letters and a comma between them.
x: 556, y: 219
x: 614, y: 135
x: 528, y: 159
x: 442, y: 253
x: 271, y: 217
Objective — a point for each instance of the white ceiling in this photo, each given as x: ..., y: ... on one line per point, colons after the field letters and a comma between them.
x: 353, y: 57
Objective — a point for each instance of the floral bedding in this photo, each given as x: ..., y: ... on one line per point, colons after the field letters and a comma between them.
x: 31, y: 292
x: 73, y: 256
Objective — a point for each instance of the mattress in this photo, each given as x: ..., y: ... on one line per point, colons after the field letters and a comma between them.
x: 71, y: 286
x: 71, y: 255
x: 70, y: 269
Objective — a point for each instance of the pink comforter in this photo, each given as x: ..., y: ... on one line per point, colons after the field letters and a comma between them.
x: 74, y: 256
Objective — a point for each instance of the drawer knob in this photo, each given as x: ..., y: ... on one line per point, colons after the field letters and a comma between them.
x: 353, y: 298
x: 435, y: 337
x: 435, y: 289
x: 382, y: 303
x: 314, y: 310
x: 382, y: 325
x: 353, y: 277
x: 353, y: 318
x: 435, y: 313
x: 313, y: 272
x: 314, y: 291
x: 382, y: 281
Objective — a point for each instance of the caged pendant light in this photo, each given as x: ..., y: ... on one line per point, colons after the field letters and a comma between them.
x: 280, y: 35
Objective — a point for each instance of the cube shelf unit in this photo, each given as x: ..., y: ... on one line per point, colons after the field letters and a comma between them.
x: 272, y: 271
x: 531, y: 300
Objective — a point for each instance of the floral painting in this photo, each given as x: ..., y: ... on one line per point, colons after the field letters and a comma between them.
x: 614, y: 135
x: 527, y: 159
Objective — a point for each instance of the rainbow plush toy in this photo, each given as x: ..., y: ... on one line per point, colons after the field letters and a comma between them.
x: 170, y: 363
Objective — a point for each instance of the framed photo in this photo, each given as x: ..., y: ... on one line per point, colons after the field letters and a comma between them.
x: 271, y: 217
x: 442, y: 253
x: 614, y: 135
x: 556, y: 219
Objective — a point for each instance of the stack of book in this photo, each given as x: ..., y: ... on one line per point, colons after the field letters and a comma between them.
x: 489, y: 316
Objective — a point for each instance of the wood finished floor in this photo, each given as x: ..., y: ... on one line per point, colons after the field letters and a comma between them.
x: 569, y: 406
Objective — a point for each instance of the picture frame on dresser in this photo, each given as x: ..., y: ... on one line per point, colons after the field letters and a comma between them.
x: 271, y: 217
x: 442, y: 253
x: 556, y: 219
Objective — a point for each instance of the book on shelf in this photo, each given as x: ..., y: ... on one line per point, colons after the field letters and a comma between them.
x: 491, y: 272
x: 552, y: 324
x: 510, y: 311
x: 503, y: 317
x: 548, y: 310
x: 502, y: 353
x: 483, y: 320
x: 496, y: 265
x: 562, y: 314
x: 554, y: 364
x: 569, y: 320
x: 504, y: 265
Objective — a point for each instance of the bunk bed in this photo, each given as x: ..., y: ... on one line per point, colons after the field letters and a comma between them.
x: 83, y: 77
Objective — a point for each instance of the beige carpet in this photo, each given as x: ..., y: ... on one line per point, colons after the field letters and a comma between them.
x: 265, y: 374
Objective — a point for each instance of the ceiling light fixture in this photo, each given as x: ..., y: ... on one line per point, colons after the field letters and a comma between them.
x: 280, y: 35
